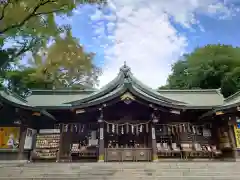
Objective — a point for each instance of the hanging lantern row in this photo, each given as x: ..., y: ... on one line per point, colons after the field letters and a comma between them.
x: 185, y: 128
x: 126, y: 128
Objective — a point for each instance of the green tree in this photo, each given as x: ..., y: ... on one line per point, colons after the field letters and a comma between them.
x: 21, y: 82
x: 28, y: 25
x: 209, y: 67
x: 31, y: 23
x: 231, y: 82
x: 64, y: 64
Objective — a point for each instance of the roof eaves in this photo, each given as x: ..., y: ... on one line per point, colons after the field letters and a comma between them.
x: 235, y: 95
x: 4, y: 96
x: 101, y: 92
x: 114, y: 94
x: 142, y: 94
x: 15, y: 95
x: 60, y: 91
x: 47, y: 114
x: 228, y: 106
x: 188, y: 90
x: 61, y: 107
x: 219, y: 108
x: 24, y: 105
x: 152, y: 92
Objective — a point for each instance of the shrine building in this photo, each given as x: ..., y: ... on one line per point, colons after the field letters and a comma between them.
x: 123, y: 121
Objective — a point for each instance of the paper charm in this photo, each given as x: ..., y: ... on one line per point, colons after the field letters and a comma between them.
x: 113, y: 128
x: 141, y: 128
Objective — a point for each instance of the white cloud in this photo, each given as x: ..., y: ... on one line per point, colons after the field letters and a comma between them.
x: 145, y: 38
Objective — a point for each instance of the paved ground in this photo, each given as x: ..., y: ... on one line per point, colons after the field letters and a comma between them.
x: 121, y: 171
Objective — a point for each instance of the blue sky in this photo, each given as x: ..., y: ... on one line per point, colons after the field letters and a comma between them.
x: 151, y: 35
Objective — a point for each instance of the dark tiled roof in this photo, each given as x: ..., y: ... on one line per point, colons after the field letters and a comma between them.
x: 125, y: 81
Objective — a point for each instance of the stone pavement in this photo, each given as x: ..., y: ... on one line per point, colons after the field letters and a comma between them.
x: 121, y: 171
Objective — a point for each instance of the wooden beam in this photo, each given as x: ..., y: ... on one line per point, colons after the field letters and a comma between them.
x: 219, y: 113
x: 36, y: 114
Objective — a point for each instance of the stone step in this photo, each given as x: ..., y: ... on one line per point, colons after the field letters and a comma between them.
x: 121, y: 171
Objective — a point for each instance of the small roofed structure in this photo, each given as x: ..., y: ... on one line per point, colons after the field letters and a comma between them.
x: 123, y: 121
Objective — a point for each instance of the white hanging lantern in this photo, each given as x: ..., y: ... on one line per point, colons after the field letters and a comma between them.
x: 113, y: 128
x: 83, y: 127
x: 193, y: 129
x: 66, y: 128
x: 184, y: 128
x: 75, y: 127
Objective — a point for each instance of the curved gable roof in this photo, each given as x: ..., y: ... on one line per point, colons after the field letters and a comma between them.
x: 125, y: 80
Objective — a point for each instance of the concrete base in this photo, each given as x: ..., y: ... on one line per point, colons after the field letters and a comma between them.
x: 130, y: 171
x: 100, y: 161
x: 196, y: 160
x: 13, y: 161
x: 155, y: 160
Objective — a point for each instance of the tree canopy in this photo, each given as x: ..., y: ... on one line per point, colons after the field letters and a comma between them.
x: 209, y: 67
x: 29, y: 26
x: 64, y: 64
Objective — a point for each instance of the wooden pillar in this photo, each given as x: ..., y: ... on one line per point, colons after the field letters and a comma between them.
x: 59, y: 152
x: 231, y: 123
x: 101, y: 151
x: 23, y: 132
x: 154, y: 143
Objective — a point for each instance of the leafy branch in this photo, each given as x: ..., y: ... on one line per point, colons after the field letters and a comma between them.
x: 3, y: 10
x: 32, y: 14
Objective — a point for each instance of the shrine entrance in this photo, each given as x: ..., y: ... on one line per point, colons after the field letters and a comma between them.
x: 127, y: 141
x: 127, y: 131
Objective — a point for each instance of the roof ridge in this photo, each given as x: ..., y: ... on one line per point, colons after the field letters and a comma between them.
x: 108, y: 87
x: 15, y: 95
x: 64, y: 89
x: 152, y: 91
x: 33, y: 91
x: 189, y: 90
x: 229, y: 98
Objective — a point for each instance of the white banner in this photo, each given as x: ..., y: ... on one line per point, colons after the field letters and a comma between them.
x: 101, y: 133
x: 49, y: 131
x: 153, y: 133
x: 29, y: 138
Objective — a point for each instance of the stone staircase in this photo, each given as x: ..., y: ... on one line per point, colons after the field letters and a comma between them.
x: 123, y: 171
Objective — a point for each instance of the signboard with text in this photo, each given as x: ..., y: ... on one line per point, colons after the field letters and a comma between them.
x: 237, y: 135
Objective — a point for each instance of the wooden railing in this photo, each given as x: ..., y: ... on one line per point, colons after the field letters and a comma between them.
x: 128, y: 154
